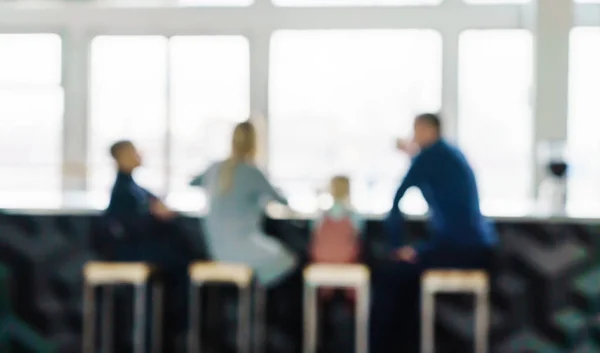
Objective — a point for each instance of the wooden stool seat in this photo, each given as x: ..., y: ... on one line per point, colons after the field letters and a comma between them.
x: 336, y: 275
x: 238, y: 274
x: 455, y: 281
x: 99, y: 273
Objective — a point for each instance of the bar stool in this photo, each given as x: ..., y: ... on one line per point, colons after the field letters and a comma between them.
x: 454, y: 281
x: 343, y: 276
x: 114, y: 273
x: 241, y: 275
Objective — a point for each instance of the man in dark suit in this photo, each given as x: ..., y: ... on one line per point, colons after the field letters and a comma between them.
x: 151, y: 234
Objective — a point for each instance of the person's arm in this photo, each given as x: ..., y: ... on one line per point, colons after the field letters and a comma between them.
x: 358, y: 222
x: 393, y: 225
x: 198, y: 180
x: 125, y: 208
x: 394, y: 222
x: 265, y: 188
x: 412, y: 178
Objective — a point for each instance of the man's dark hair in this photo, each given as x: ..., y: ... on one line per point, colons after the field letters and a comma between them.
x: 431, y: 119
x: 118, y: 146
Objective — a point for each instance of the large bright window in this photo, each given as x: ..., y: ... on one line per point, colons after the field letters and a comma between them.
x: 339, y: 99
x: 495, y: 114
x: 584, y: 120
x: 31, y: 112
x: 176, y: 99
x: 301, y: 3
x: 128, y: 101
x: 210, y: 93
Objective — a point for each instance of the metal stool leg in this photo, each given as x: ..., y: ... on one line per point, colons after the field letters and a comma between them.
x: 362, y: 318
x: 310, y: 319
x: 140, y: 319
x: 244, y: 320
x: 427, y: 321
x: 194, y: 326
x: 157, y: 317
x: 260, y: 304
x: 89, y: 319
x: 482, y: 312
x: 108, y: 308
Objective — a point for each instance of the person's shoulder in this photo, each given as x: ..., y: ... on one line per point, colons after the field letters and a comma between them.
x: 250, y: 169
x: 213, y: 168
x: 447, y: 148
x: 119, y: 184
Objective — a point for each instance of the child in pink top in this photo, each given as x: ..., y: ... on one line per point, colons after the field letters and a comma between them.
x: 335, y: 238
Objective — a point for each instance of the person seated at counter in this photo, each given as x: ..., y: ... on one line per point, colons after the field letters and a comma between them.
x: 151, y: 234
x: 238, y: 193
x: 460, y: 236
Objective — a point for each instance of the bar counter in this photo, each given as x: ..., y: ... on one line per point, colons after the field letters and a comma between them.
x: 546, y: 292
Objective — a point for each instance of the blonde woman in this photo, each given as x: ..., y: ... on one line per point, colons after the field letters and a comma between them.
x: 237, y: 194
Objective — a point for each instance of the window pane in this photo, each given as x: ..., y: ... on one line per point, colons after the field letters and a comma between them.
x: 339, y: 99
x: 31, y: 112
x: 495, y: 122
x: 210, y: 80
x: 30, y: 59
x: 128, y: 101
x: 318, y: 3
x: 584, y: 123
x: 30, y: 139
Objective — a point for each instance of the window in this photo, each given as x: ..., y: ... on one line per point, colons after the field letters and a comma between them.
x: 177, y: 99
x: 31, y: 112
x: 128, y: 101
x: 495, y: 115
x: 319, y: 3
x: 339, y: 99
x: 583, y: 123
x: 210, y: 93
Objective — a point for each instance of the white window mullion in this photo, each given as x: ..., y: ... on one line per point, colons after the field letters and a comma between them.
x: 552, y: 23
x: 450, y: 83
x: 259, y: 90
x: 76, y: 90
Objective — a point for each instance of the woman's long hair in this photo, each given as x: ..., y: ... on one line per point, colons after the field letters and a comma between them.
x: 243, y: 149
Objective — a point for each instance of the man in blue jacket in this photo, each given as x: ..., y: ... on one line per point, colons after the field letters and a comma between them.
x: 460, y: 237
x: 152, y: 234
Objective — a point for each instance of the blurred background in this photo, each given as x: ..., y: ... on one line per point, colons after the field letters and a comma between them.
x: 331, y: 84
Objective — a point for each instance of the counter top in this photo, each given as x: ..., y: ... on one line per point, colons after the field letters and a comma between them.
x: 193, y: 204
